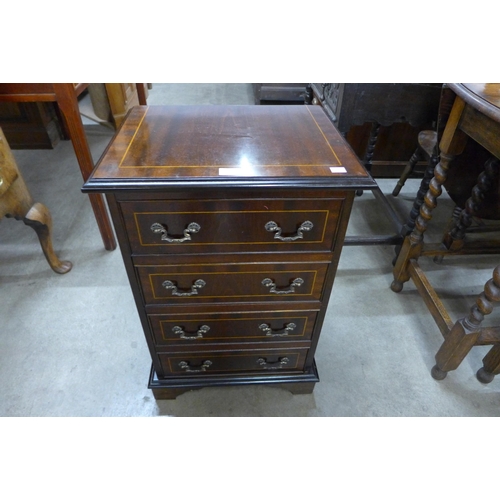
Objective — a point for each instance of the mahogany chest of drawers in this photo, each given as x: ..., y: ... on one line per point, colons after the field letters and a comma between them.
x: 231, y: 221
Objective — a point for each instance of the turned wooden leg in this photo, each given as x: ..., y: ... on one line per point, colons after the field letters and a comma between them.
x: 410, y: 166
x: 454, y: 239
x: 454, y: 220
x: 465, y: 332
x: 409, y: 226
x: 372, y: 142
x: 412, y: 245
x: 491, y: 366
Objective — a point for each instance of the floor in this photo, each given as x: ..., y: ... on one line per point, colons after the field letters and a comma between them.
x: 72, y: 345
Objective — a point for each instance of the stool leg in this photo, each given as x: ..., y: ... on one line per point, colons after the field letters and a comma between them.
x: 410, y: 166
x: 465, y: 332
x: 491, y: 366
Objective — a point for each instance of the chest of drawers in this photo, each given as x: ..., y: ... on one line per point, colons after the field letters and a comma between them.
x: 230, y: 221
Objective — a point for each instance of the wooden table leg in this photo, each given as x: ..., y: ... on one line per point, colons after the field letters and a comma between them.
x: 466, y: 331
x: 419, y: 198
x: 68, y: 105
x: 454, y: 239
x: 491, y: 366
x: 452, y: 143
x: 413, y: 243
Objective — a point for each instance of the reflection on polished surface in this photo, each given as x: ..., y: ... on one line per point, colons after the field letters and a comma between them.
x: 206, y: 141
x: 483, y: 97
x: 487, y: 91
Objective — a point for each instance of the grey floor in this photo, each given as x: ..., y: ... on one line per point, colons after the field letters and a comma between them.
x: 72, y: 345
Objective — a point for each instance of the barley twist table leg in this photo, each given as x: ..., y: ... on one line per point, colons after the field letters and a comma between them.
x: 465, y: 331
x: 454, y: 239
x: 412, y: 245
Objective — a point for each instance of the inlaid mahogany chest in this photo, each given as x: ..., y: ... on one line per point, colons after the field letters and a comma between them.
x: 231, y: 221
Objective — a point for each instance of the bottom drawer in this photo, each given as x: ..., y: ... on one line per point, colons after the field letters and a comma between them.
x: 221, y: 362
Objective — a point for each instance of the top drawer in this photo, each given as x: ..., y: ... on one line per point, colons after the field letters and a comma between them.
x: 218, y: 226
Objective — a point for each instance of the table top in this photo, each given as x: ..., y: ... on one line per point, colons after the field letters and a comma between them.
x: 485, y: 97
x: 228, y: 145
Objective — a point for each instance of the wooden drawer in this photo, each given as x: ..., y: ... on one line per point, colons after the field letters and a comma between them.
x: 223, y: 362
x: 265, y: 326
x: 286, y: 225
x: 231, y: 282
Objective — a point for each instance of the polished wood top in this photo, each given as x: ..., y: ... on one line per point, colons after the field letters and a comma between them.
x: 35, y: 92
x: 485, y: 97
x: 221, y: 145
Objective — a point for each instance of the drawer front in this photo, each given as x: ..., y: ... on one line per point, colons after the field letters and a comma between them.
x: 158, y: 227
x: 231, y: 328
x: 210, y: 363
x: 198, y: 284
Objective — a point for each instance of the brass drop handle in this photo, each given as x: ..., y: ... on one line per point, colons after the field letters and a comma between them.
x: 169, y: 285
x: 192, y: 228
x: 271, y: 226
x: 273, y: 289
x: 184, y: 365
x: 273, y: 365
x: 179, y: 330
x: 273, y: 333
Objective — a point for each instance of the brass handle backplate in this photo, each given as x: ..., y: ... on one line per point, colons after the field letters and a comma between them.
x: 179, y: 330
x: 184, y: 365
x: 273, y: 289
x: 273, y: 333
x: 271, y: 226
x: 192, y: 228
x: 273, y: 365
x: 169, y: 285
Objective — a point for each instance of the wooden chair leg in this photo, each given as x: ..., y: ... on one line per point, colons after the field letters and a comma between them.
x: 68, y: 105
